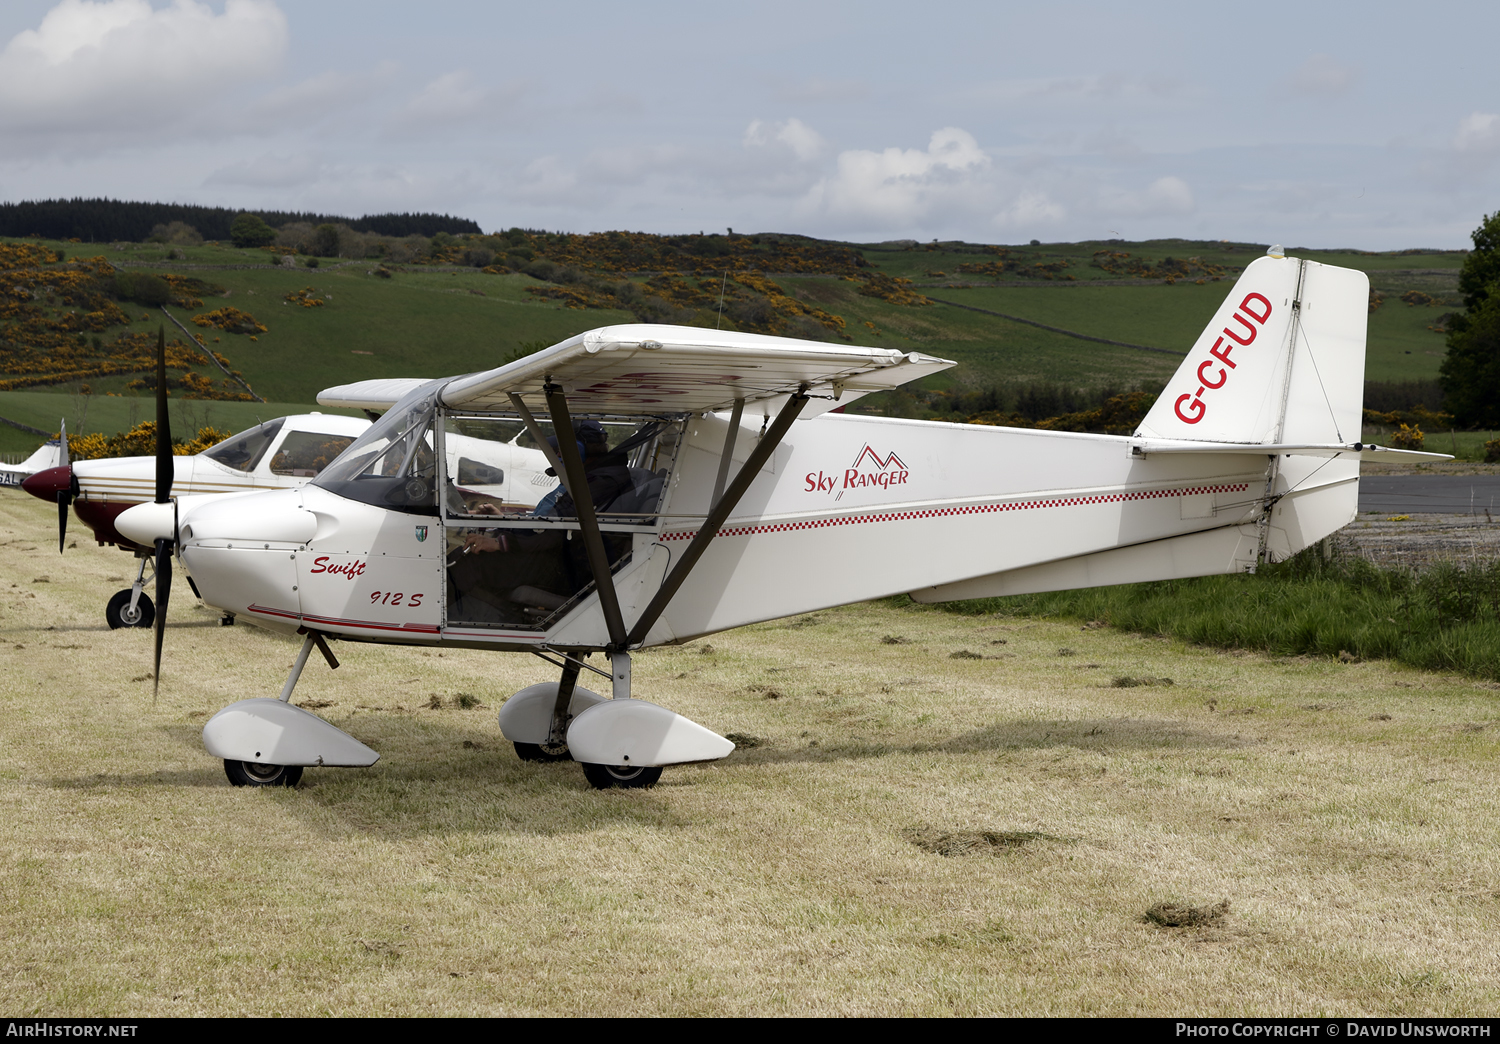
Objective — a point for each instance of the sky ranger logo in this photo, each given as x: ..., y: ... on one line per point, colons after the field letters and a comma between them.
x: 869, y: 469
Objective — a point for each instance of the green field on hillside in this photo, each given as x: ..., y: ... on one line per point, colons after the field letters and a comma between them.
x: 112, y: 413
x: 428, y: 320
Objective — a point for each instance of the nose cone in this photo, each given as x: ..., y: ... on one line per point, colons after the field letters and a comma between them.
x: 144, y: 524
x: 46, y: 485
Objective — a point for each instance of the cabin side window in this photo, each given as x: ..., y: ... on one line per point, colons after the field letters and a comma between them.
x: 516, y: 556
x: 306, y: 453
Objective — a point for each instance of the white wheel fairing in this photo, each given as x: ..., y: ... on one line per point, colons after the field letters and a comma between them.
x: 527, y: 716
x: 269, y: 732
x: 635, y: 733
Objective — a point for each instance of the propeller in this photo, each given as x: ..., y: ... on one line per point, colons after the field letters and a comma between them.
x: 164, y: 474
x: 64, y: 496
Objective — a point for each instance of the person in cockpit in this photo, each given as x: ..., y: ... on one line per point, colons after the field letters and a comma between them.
x: 511, y: 570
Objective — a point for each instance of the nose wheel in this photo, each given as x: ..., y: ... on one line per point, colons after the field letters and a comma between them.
x: 602, y: 777
x: 119, y: 613
x: 254, y: 774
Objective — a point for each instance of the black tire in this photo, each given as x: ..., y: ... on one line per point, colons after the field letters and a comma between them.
x: 536, y: 752
x: 253, y: 774
x: 118, y: 611
x: 602, y: 777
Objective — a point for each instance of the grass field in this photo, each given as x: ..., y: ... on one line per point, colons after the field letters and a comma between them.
x: 902, y: 832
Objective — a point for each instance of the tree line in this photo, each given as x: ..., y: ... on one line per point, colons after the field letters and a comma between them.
x: 109, y: 220
x: 1471, y: 370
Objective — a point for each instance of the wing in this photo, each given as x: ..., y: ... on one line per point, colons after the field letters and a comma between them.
x: 379, y: 394
x: 669, y: 369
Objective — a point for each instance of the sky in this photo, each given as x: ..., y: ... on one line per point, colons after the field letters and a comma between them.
x: 1372, y: 125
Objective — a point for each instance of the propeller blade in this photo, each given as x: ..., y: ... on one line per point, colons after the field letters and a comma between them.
x: 63, y: 500
x: 163, y: 425
x: 64, y: 497
x: 163, y: 592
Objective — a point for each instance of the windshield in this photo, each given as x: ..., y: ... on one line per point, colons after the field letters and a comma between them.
x: 243, y: 451
x: 393, y: 464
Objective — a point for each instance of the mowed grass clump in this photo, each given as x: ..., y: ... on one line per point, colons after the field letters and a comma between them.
x: 899, y: 833
x: 1443, y: 619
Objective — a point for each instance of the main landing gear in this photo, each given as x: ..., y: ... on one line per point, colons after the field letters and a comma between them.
x: 131, y: 607
x: 620, y: 742
x: 266, y: 742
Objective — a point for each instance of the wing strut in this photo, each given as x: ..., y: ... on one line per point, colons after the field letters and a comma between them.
x: 718, y: 514
x: 729, y: 437
x: 588, y: 521
x: 593, y: 539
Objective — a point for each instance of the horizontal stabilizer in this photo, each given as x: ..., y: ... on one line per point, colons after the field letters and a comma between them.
x: 1366, y: 450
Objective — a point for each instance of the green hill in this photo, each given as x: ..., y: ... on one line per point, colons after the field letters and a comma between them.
x: 457, y: 304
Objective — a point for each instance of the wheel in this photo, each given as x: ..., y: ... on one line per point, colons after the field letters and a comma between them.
x: 602, y: 777
x: 537, y: 752
x: 253, y: 774
x: 119, y: 615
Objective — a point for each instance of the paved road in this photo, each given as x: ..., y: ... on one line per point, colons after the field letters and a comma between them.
x: 1442, y: 494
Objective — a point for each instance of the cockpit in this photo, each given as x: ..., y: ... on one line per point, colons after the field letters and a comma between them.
x: 515, y: 554
x: 516, y: 557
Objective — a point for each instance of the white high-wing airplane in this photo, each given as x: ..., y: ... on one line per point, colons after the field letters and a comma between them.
x: 730, y: 494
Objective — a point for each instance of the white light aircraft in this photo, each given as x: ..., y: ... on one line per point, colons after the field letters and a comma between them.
x: 282, y: 453
x: 709, y: 485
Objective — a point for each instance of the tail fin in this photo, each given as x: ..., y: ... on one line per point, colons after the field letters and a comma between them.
x: 1283, y: 361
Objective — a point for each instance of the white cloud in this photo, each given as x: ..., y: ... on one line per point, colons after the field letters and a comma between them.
x: 1163, y: 197
x: 1029, y: 211
x: 314, y: 99
x: 1324, y: 74
x: 899, y: 187
x: 805, y: 143
x: 118, y: 67
x: 452, y: 98
x: 1478, y: 132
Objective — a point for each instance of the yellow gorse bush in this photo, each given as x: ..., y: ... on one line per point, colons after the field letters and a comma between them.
x: 58, y: 323
x: 305, y: 297
x: 230, y: 320
x: 140, y: 441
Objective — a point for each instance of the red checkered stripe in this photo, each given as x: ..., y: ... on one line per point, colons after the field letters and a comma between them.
x: 969, y: 509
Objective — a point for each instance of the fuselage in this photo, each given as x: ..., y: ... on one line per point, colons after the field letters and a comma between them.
x: 848, y: 509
